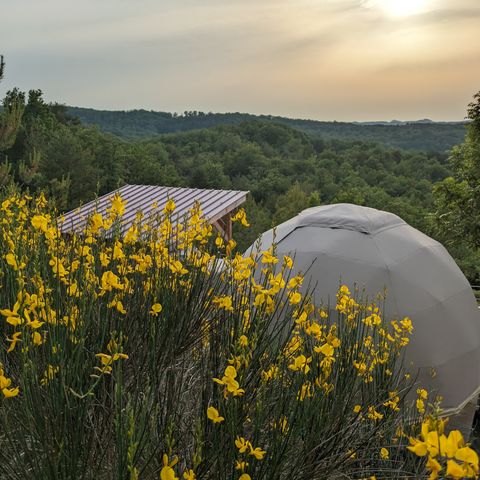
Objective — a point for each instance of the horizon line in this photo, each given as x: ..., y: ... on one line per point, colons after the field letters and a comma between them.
x: 424, y: 120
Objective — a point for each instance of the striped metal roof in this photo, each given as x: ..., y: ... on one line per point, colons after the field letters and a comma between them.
x: 140, y: 198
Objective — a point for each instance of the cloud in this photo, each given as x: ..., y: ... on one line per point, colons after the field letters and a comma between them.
x: 454, y: 11
x: 299, y: 57
x: 422, y: 66
x: 446, y: 15
x: 300, y: 47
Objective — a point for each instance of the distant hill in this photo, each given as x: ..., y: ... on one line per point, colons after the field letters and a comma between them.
x: 417, y: 135
x: 400, y: 122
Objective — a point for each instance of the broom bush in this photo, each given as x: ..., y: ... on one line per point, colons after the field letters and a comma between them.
x: 156, y: 351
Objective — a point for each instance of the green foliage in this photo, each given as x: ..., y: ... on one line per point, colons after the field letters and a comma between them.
x: 284, y: 169
x: 260, y: 221
x: 457, y: 197
x: 295, y: 200
x: 10, y: 118
x: 473, y: 113
x: 425, y: 135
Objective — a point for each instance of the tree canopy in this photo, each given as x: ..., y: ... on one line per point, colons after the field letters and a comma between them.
x: 457, y: 197
x: 422, y: 135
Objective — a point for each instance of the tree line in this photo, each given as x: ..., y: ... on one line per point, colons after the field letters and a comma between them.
x: 424, y: 135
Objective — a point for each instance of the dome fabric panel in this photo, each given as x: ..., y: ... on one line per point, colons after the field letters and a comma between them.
x: 347, y: 216
x: 377, y: 251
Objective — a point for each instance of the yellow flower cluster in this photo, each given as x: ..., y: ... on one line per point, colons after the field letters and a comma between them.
x: 346, y: 304
x: 379, y: 346
x: 27, y: 316
x: 108, y: 360
x: 230, y: 383
x: 420, y: 402
x: 105, y: 271
x: 214, y: 416
x: 168, y: 473
x: 244, y: 446
x: 5, y: 385
x: 241, y: 217
x: 445, y: 453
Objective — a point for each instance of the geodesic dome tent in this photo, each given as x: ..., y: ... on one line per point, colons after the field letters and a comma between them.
x: 376, y: 250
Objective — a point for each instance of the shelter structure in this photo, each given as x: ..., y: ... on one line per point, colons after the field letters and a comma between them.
x: 375, y: 250
x: 217, y: 206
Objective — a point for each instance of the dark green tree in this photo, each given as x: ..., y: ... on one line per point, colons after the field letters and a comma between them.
x: 457, y: 198
x: 293, y: 202
x: 10, y: 121
x: 2, y: 67
x: 65, y: 157
x: 11, y: 116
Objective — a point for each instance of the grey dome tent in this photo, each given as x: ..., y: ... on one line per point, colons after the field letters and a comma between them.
x: 377, y: 250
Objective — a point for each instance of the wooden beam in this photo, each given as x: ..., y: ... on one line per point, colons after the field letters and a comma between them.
x: 219, y: 228
x: 224, y: 226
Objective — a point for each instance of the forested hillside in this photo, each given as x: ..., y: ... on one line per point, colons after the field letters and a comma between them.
x: 285, y: 169
x: 432, y: 136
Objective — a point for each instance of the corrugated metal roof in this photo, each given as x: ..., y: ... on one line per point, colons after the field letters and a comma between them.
x: 140, y: 198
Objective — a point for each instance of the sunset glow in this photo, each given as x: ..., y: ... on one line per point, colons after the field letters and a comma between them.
x: 403, y: 8
x: 321, y: 59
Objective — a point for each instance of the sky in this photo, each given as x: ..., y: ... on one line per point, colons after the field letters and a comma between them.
x: 345, y: 60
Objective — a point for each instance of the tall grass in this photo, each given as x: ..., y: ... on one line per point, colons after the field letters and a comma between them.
x: 114, y: 342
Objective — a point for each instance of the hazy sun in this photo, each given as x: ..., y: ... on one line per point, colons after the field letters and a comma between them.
x: 401, y: 8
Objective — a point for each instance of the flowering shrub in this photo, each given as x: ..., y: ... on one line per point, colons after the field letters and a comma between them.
x: 159, y: 352
x: 445, y: 454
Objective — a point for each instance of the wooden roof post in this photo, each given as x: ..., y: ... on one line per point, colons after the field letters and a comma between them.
x: 224, y: 226
x: 228, y: 226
